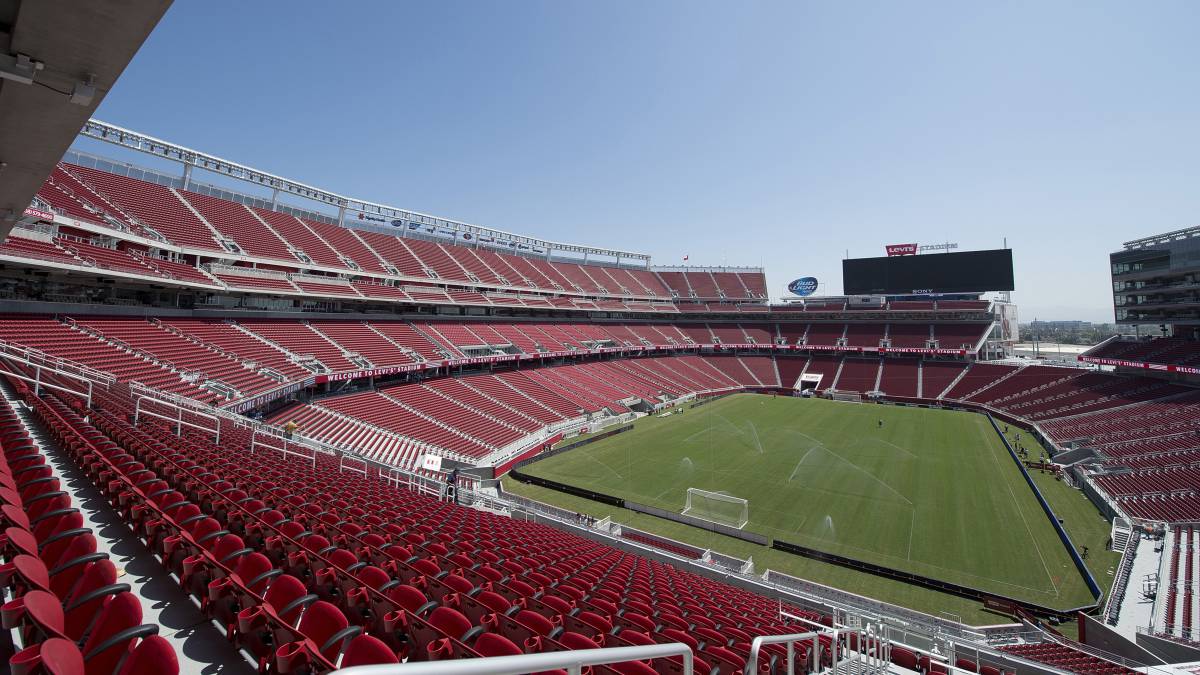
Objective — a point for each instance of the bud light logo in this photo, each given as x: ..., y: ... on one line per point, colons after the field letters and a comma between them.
x: 804, y: 286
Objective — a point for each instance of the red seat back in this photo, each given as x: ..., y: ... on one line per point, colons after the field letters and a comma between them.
x: 153, y: 656
x: 365, y: 650
x: 122, y: 612
x: 491, y: 644
x: 321, y: 622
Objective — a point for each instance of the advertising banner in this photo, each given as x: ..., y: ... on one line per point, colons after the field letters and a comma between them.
x: 1164, y: 367
x: 901, y: 249
x: 803, y: 287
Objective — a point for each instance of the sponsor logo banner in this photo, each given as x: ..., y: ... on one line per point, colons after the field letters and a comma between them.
x: 901, y: 249
x: 804, y: 286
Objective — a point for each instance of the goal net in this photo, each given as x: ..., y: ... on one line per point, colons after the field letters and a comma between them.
x: 717, y: 507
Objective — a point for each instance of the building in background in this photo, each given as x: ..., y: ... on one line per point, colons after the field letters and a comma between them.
x: 1156, y: 284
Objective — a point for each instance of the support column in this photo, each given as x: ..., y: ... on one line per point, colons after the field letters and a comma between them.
x: 187, y: 176
x: 342, y: 216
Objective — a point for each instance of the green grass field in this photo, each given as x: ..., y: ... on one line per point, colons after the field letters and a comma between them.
x: 931, y: 491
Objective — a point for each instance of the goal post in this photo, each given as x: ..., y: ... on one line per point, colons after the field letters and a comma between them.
x: 717, y: 507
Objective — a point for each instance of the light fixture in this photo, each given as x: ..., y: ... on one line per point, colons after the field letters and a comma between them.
x: 19, y: 68
x: 84, y: 91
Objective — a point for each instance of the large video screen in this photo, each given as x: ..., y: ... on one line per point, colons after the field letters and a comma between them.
x: 965, y: 272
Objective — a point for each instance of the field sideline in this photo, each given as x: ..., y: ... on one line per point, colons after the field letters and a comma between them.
x: 932, y: 492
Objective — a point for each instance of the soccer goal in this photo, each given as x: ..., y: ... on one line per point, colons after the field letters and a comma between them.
x: 717, y: 507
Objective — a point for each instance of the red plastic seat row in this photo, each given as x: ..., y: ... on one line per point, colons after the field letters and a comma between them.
x: 71, y: 614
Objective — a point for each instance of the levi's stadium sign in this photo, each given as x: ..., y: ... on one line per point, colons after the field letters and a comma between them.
x: 901, y: 249
x: 803, y: 287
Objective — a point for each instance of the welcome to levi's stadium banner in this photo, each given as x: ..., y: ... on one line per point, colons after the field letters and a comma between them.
x: 1165, y: 367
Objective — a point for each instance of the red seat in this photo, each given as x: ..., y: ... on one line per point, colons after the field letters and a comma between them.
x: 411, y: 599
x: 325, y: 630
x: 97, y: 585
x: 56, y: 656
x: 485, y: 602
x: 117, y: 628
x: 260, y: 628
x: 905, y: 658
x: 491, y: 644
x: 439, y: 636
x: 153, y: 656
x: 365, y: 650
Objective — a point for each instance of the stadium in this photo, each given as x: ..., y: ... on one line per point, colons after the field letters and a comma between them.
x: 251, y: 423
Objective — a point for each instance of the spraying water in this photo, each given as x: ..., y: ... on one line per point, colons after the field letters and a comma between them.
x: 827, y: 529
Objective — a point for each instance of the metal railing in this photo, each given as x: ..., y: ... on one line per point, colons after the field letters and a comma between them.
x: 36, y: 357
x: 572, y: 661
x: 143, y: 396
x: 379, y: 214
x: 790, y: 640
x: 42, y: 363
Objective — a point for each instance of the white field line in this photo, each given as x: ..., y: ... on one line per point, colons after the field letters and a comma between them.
x: 911, y: 526
x: 757, y: 442
x: 1021, y: 512
x: 904, y: 450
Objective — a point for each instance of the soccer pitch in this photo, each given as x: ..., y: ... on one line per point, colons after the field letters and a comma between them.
x: 932, y: 492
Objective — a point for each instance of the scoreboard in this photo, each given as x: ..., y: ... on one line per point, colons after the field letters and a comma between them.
x: 961, y: 272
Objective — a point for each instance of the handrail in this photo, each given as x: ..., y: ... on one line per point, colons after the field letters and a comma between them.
x: 37, y: 357
x: 572, y: 661
x: 40, y: 362
x: 790, y: 640
x: 142, y: 394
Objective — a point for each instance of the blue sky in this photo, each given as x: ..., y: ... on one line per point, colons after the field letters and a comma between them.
x: 781, y: 134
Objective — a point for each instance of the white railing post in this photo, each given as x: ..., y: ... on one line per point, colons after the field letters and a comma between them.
x: 790, y: 640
